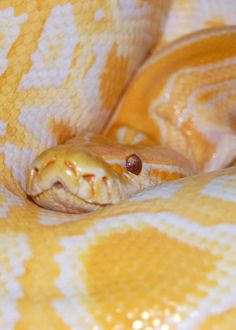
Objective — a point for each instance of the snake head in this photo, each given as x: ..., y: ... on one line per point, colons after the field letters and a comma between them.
x: 75, y: 178
x: 83, y: 175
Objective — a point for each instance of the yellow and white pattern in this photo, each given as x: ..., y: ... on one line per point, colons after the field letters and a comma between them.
x: 166, y: 258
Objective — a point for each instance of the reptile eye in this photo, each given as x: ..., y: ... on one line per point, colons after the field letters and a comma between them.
x: 134, y: 164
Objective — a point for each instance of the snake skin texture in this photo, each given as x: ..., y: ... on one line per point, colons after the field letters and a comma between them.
x: 164, y: 259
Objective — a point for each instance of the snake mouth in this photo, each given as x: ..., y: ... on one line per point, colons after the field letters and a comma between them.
x: 65, y: 201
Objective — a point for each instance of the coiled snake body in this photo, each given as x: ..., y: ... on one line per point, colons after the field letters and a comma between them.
x: 163, y: 258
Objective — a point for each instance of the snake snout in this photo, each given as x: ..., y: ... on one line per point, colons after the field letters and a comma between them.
x: 53, y: 175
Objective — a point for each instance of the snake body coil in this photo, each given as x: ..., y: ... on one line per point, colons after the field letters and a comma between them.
x: 157, y: 78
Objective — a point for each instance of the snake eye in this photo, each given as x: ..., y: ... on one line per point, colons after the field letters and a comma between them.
x: 134, y: 164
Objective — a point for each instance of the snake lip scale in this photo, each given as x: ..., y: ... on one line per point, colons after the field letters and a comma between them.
x: 65, y: 201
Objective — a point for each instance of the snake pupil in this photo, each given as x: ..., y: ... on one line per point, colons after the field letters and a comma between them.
x: 134, y: 164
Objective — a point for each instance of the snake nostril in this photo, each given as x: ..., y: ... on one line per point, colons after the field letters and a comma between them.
x: 71, y: 166
x: 58, y: 185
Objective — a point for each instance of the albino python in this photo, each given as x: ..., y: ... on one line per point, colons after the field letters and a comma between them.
x: 164, y: 258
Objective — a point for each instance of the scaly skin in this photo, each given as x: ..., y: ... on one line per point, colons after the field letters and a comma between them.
x: 183, y: 98
x: 164, y: 259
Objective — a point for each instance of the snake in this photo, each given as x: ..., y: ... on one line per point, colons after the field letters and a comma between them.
x: 67, y: 173
x: 117, y: 181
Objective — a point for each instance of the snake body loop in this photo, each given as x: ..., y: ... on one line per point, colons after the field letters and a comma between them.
x: 155, y: 83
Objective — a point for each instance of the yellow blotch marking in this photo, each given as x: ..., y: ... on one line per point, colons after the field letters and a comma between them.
x: 61, y: 131
x: 183, y: 3
x: 93, y: 21
x: 208, y: 95
x: 90, y: 62
x: 2, y: 39
x: 215, y: 22
x: 18, y: 6
x: 114, y: 133
x: 127, y: 135
x: 54, y: 52
x: 217, y: 114
x: 134, y: 271
x: 174, y: 176
x: 223, y: 321
x: 115, y: 70
x: 203, y: 148
x: 38, y: 285
x: 165, y: 175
